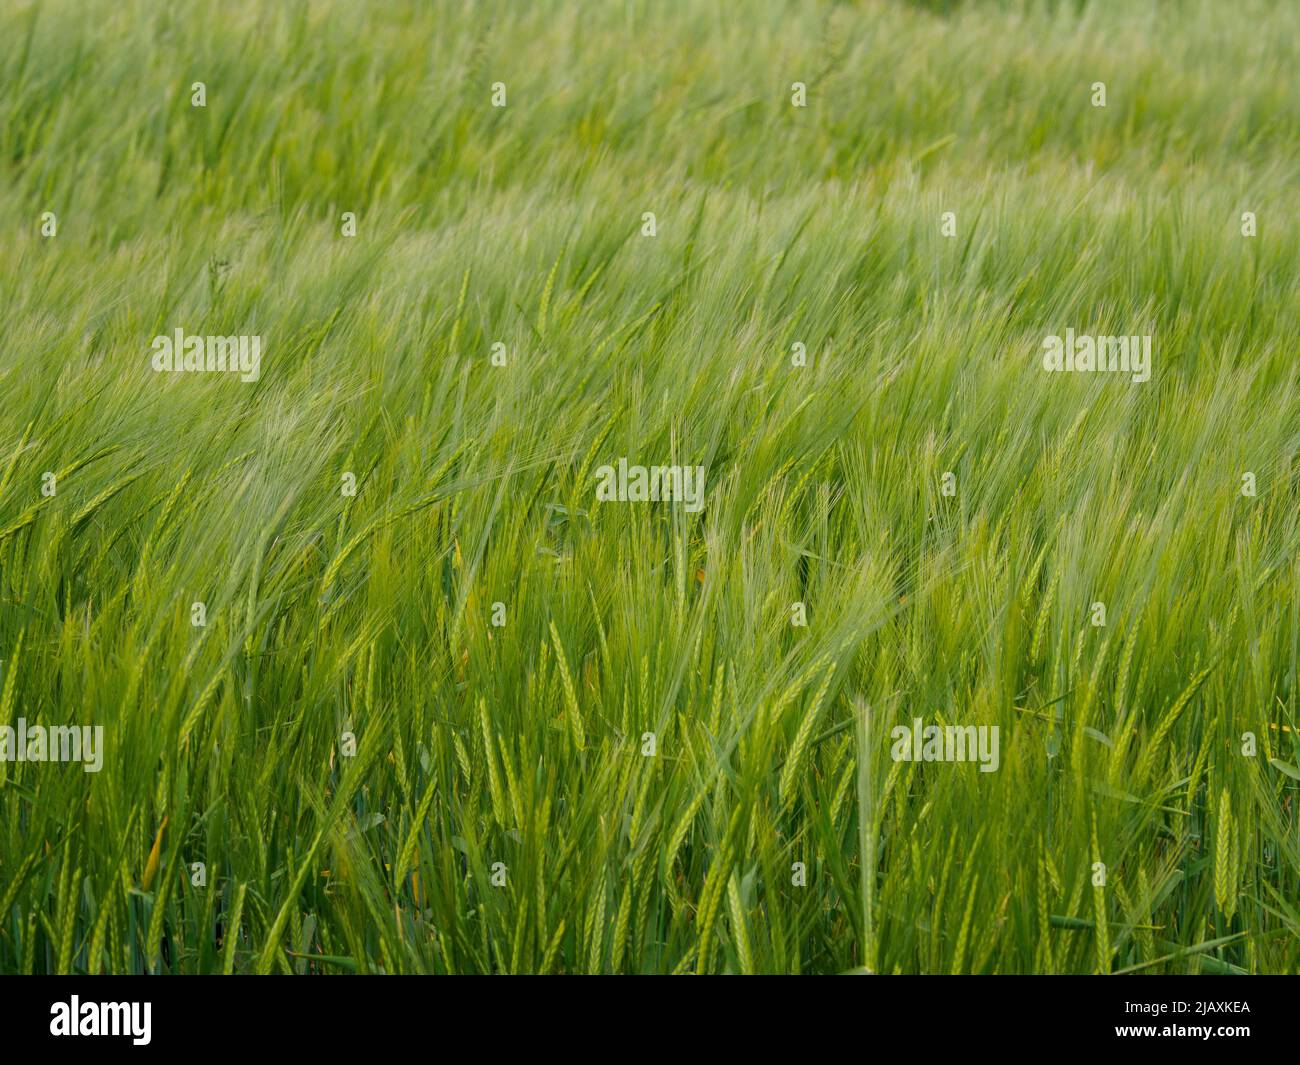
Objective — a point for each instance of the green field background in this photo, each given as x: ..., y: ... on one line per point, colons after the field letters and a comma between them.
x: 519, y: 747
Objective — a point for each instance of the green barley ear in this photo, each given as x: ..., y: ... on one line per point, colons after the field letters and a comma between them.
x: 1044, y: 923
x: 711, y: 895
x: 1225, y: 880
x: 963, y: 936
x: 593, y: 931
x: 739, y: 929
x: 1102, y: 924
x: 1156, y: 744
x: 790, y: 774
x: 576, y: 730
x: 552, y: 949
x: 621, y: 927
x: 232, y: 930
x: 95, y: 952
x: 494, y: 780
x: 1044, y: 613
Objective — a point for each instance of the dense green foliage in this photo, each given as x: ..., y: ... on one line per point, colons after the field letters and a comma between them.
x: 522, y: 744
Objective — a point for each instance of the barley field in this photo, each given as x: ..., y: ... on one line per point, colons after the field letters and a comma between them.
x: 377, y: 675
